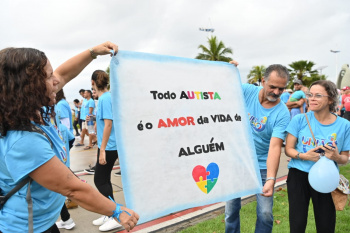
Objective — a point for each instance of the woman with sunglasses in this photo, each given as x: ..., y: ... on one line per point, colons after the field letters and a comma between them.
x: 332, y: 134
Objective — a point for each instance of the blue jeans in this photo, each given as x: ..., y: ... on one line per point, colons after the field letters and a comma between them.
x: 264, y: 221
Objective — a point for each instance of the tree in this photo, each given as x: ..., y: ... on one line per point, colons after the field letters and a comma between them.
x: 215, y: 52
x: 256, y: 73
x: 303, y: 70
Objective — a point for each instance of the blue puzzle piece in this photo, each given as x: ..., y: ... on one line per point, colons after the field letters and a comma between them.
x: 213, y: 168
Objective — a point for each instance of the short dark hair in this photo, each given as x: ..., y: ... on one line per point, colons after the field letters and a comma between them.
x: 81, y: 90
x: 76, y: 101
x: 89, y: 92
x: 282, y: 71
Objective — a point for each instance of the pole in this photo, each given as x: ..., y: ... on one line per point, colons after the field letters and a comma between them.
x: 336, y: 63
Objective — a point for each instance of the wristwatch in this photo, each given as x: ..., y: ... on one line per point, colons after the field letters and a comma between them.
x: 271, y: 178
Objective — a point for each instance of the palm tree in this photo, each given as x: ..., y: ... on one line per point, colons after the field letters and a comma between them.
x: 215, y: 52
x: 256, y: 73
x: 303, y: 71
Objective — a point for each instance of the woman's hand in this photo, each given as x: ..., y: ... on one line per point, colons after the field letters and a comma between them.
x: 331, y: 153
x: 102, y: 158
x: 311, y: 155
x: 105, y: 48
x: 127, y: 221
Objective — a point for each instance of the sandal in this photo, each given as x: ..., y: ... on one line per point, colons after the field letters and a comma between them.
x: 79, y: 144
x: 87, y: 148
x: 94, y: 143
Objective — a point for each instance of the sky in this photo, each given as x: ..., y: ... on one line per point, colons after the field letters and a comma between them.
x: 259, y: 32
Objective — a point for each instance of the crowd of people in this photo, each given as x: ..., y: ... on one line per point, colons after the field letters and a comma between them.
x: 34, y: 113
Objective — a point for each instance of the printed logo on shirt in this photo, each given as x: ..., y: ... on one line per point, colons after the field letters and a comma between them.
x: 309, y: 141
x: 258, y: 124
x: 63, y: 154
x: 346, y: 99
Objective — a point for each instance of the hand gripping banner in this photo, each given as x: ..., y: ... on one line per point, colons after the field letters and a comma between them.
x: 182, y: 132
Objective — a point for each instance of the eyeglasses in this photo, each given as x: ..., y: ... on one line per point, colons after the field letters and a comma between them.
x: 317, y: 96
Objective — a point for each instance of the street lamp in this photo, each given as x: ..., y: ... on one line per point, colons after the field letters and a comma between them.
x: 336, y: 63
x: 321, y: 68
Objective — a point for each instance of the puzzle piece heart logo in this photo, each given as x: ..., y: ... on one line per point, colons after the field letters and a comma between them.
x: 206, y: 178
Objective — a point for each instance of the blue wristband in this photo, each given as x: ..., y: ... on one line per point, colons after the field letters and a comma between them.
x: 118, y: 211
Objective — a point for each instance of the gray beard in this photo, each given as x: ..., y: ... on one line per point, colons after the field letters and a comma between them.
x: 272, y: 99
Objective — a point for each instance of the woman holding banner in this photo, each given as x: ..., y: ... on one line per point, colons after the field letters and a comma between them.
x: 332, y: 135
x: 31, y: 146
x: 107, y: 152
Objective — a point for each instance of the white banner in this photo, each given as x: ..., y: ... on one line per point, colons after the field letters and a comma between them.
x: 182, y: 132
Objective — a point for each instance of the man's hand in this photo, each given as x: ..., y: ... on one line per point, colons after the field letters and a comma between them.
x: 233, y: 62
x: 268, y: 188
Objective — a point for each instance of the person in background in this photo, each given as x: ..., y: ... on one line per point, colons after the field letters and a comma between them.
x: 87, y: 110
x: 80, y: 120
x: 62, y: 122
x: 269, y: 118
x: 76, y: 116
x: 285, y: 95
x: 332, y: 134
x: 107, y: 152
x: 28, y: 94
x: 297, y: 101
x: 63, y: 111
x: 345, y: 103
x: 91, y: 169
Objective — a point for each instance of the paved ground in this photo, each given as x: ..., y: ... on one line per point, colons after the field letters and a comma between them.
x: 80, y: 159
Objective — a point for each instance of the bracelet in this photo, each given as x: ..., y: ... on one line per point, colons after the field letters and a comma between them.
x: 92, y: 53
x: 271, y: 178
x: 298, y: 156
x: 117, y: 211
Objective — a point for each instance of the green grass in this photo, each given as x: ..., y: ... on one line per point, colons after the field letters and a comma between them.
x: 280, y: 213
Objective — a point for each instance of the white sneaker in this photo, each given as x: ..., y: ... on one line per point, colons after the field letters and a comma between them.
x: 69, y: 224
x: 109, y: 225
x: 100, y: 220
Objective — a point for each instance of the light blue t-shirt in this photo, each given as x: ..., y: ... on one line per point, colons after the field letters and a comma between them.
x: 265, y: 122
x: 21, y: 152
x: 62, y: 110
x: 76, y: 111
x: 324, y: 134
x: 86, y: 105
x: 104, y: 111
x: 297, y: 95
x: 285, y: 97
x: 82, y: 109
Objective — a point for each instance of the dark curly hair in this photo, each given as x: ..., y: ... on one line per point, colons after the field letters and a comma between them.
x: 23, y: 89
x: 101, y: 79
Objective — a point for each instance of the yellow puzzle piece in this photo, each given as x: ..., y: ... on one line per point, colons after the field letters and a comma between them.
x: 202, y: 184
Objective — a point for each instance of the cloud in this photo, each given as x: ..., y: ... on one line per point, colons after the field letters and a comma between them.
x: 259, y: 32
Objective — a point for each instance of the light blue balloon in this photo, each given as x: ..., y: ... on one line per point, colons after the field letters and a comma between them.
x: 324, y: 175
